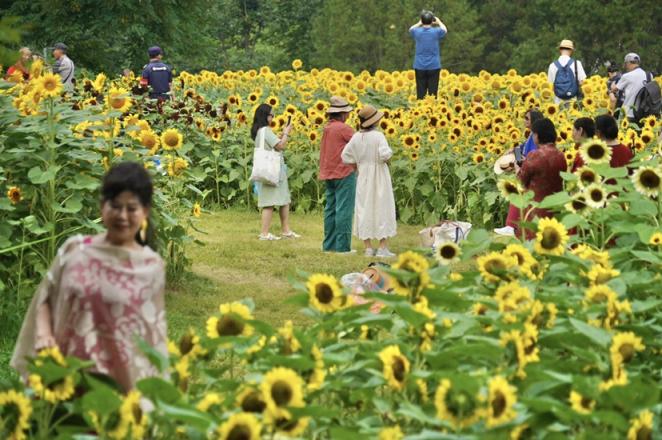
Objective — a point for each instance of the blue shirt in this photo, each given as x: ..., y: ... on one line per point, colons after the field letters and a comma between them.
x: 427, y: 47
x: 528, y: 146
x: 159, y: 76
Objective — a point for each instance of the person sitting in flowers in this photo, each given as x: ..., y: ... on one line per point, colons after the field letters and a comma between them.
x: 607, y: 148
x: 104, y: 292
x: 541, y: 172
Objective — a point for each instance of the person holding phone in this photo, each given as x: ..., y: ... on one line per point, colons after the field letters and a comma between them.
x: 272, y: 196
x: 427, y: 34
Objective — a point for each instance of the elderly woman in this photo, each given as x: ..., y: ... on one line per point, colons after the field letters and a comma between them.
x: 103, y: 292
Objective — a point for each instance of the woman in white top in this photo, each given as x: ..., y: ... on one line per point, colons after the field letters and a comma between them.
x: 374, y: 214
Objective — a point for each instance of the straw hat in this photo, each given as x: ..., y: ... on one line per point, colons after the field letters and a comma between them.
x: 369, y: 116
x: 505, y: 163
x: 567, y: 44
x: 339, y: 105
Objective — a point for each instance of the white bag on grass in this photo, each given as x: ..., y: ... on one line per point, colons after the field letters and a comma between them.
x: 444, y: 232
x: 266, y: 163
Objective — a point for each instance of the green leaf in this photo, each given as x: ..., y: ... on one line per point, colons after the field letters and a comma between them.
x: 158, y: 389
x: 555, y: 201
x: 595, y: 334
x: 415, y: 412
x: 188, y: 415
x: 102, y: 401
x: 39, y: 176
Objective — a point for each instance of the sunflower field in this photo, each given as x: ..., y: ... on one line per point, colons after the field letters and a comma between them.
x: 553, y: 338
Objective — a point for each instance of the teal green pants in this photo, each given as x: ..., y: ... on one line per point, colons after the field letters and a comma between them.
x: 339, y: 213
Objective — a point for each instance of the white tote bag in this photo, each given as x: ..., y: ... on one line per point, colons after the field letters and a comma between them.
x: 443, y: 232
x: 266, y: 163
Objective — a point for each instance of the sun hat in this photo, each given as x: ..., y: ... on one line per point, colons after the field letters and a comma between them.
x: 632, y: 58
x: 504, y: 163
x: 61, y: 46
x: 567, y: 44
x: 369, y: 116
x: 339, y: 105
x: 154, y: 51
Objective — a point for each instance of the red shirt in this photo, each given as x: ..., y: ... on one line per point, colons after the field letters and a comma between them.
x: 620, y: 156
x: 15, y: 68
x: 541, y: 171
x: 335, y: 137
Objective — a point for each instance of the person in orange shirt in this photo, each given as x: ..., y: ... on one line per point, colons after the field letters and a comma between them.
x: 339, y: 178
x: 22, y: 66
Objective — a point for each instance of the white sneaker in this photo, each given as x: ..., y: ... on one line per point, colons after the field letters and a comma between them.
x: 370, y: 252
x: 385, y: 253
x: 268, y: 237
x: 506, y: 230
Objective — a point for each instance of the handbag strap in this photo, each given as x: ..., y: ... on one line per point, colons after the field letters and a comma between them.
x: 261, y: 134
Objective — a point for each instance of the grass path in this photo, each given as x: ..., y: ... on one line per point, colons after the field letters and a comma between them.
x: 233, y: 265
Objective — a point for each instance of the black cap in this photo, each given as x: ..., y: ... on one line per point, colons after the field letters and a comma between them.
x: 60, y: 46
x: 154, y: 51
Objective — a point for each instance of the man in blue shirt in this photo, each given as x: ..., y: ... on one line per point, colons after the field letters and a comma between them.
x: 427, y: 64
x: 157, y: 75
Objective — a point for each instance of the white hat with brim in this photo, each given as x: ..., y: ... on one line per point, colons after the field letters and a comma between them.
x: 504, y: 163
x: 567, y: 44
x: 369, y: 116
x: 339, y: 105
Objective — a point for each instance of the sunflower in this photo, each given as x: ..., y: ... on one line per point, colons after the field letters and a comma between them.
x: 15, y: 411
x: 240, y: 426
x: 581, y: 404
x: 171, y: 139
x: 577, y: 204
x: 542, y: 315
x: 494, y: 266
x: 656, y: 239
x: 284, y: 423
x: 396, y: 366
x: 519, y: 252
x: 647, y: 181
x: 118, y: 100
x: 587, y: 176
x: 131, y: 411
x: 232, y: 321
x: 458, y: 407
x: 250, y: 400
x: 587, y: 253
x: 641, y: 428
x: 14, y: 195
x: 623, y: 348
x: 49, y: 85
x: 391, y: 433
x: 282, y: 388
x: 414, y: 264
x: 56, y: 391
x: 447, y: 252
x: 595, y: 196
x: 197, y: 210
x: 595, y: 151
x: 478, y: 158
x: 500, y: 400
x: 601, y: 274
x: 509, y: 187
x: 210, y: 400
x: 318, y: 375
x: 325, y: 293
x: 599, y: 294
x: 551, y: 237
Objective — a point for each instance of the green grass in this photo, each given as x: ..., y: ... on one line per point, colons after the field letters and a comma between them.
x: 233, y: 265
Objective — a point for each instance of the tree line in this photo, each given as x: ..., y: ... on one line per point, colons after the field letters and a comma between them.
x: 494, y: 35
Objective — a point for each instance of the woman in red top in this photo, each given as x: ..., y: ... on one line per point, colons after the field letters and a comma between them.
x: 21, y: 66
x: 606, y: 128
x: 541, y: 172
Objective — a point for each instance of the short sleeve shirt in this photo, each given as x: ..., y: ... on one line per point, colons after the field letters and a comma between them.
x: 270, y: 139
x: 159, y: 77
x: 630, y: 84
x: 335, y: 137
x: 427, y: 47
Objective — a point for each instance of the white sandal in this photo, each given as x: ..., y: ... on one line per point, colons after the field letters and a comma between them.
x: 268, y: 237
x: 291, y: 234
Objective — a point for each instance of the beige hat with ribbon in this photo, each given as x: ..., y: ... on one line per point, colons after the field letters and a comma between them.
x: 339, y: 105
x: 567, y: 44
x: 505, y: 163
x: 369, y: 116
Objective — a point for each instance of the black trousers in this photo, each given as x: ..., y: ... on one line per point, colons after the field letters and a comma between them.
x: 427, y: 82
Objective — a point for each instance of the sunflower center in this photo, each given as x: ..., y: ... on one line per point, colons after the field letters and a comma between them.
x: 186, y: 344
x: 281, y: 392
x: 324, y: 293
x: 627, y: 352
x: 171, y: 140
x: 578, y: 204
x: 587, y: 177
x: 137, y: 412
x: 228, y: 325
x: 447, y: 252
x: 649, y: 179
x: 459, y: 404
x: 239, y: 432
x: 50, y: 85
x: 399, y: 369
x: 644, y: 433
x: 498, y: 404
x: 495, y: 266
x: 595, y: 152
x: 286, y: 424
x: 10, y: 416
x: 520, y: 258
x: 596, y: 195
x: 529, y: 347
x: 253, y: 403
x: 511, y: 189
x: 550, y: 238
x: 586, y: 403
x: 117, y: 102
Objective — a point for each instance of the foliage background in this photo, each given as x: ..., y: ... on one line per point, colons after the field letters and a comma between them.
x: 494, y: 35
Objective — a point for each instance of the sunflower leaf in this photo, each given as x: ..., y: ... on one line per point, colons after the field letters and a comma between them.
x: 597, y: 335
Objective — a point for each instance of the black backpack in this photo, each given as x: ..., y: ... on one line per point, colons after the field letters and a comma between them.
x: 649, y: 99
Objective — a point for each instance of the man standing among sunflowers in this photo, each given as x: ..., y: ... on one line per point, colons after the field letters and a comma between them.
x: 157, y: 75
x: 427, y: 34
x: 64, y: 66
x: 340, y: 179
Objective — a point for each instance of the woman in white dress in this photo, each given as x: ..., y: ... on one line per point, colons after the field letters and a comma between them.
x: 374, y: 214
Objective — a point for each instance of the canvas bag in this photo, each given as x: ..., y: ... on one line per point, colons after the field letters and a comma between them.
x: 443, y: 232
x: 266, y: 163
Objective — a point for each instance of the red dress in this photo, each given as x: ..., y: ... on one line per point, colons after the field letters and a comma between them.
x: 540, y: 173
